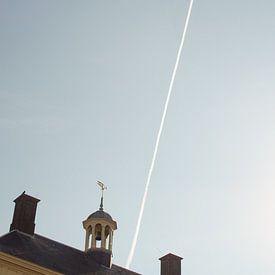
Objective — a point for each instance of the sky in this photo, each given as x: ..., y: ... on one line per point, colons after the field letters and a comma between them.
x: 82, y: 90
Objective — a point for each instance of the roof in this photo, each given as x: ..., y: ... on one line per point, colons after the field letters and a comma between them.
x: 24, y: 196
x: 54, y: 255
x: 170, y: 256
x: 101, y: 215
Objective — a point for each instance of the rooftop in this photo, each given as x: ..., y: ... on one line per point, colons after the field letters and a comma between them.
x: 54, y: 255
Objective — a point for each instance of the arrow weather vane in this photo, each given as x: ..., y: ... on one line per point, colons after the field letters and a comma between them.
x: 102, y: 187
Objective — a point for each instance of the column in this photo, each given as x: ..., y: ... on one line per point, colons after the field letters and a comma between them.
x: 93, y: 238
x: 111, y: 239
x: 87, y: 239
x: 103, y: 238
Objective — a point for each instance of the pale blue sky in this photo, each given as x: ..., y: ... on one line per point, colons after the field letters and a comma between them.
x: 82, y: 88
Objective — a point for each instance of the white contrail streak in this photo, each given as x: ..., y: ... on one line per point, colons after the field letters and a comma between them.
x: 134, y: 242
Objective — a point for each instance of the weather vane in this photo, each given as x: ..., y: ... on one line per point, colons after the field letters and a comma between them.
x: 102, y: 187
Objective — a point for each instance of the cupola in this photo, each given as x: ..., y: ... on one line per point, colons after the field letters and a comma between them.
x: 100, y: 227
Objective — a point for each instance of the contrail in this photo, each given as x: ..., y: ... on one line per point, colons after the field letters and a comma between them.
x: 134, y: 242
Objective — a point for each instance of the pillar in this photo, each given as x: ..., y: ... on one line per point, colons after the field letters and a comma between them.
x: 93, y: 237
x: 111, y: 239
x: 103, y: 237
x: 87, y: 239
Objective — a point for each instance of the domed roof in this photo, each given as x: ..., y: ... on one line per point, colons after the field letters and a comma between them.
x: 100, y: 214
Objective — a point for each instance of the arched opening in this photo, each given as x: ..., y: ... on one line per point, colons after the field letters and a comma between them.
x: 98, y: 229
x: 90, y: 237
x: 107, y: 234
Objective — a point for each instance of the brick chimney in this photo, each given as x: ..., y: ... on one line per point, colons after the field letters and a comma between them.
x: 170, y: 265
x: 24, y: 214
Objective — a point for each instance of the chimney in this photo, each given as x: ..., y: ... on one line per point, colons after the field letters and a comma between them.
x: 24, y: 214
x: 170, y: 265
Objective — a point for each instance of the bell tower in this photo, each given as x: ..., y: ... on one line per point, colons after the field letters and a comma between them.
x: 100, y: 227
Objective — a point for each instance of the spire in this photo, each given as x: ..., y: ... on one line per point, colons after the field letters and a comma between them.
x: 101, y: 203
x: 102, y: 187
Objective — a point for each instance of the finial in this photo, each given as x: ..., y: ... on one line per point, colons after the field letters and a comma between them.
x: 102, y: 187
